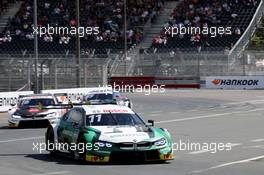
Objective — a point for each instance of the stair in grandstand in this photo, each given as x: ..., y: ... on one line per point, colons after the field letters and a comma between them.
x: 159, y: 22
x: 119, y: 67
x: 11, y: 11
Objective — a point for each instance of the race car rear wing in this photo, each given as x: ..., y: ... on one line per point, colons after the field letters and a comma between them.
x: 57, y: 106
x: 72, y: 105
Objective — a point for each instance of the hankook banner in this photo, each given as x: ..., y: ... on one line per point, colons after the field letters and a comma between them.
x: 235, y: 82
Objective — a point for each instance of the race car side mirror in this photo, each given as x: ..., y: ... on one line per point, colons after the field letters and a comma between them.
x: 114, y: 101
x: 75, y: 124
x: 151, y: 122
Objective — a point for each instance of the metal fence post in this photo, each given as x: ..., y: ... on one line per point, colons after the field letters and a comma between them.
x: 28, y: 76
x: 55, y: 76
x: 9, y: 79
x: 104, y: 75
x: 84, y: 74
x: 42, y: 75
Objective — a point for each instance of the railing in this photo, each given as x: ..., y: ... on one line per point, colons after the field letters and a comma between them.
x: 17, y: 71
x: 240, y: 45
x: 54, y: 71
x: 198, y: 64
x: 131, y: 65
x: 115, y: 64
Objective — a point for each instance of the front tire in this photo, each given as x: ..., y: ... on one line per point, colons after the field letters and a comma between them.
x: 82, y: 141
x: 50, y: 140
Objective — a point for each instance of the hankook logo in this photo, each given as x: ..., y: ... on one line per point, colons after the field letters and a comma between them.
x: 235, y: 82
x: 216, y: 81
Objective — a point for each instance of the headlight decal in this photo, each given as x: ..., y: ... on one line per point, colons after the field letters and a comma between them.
x: 16, y: 116
x: 53, y: 114
x: 160, y: 142
x: 103, y: 144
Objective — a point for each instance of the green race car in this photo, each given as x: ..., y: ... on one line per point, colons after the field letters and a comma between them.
x: 108, y: 133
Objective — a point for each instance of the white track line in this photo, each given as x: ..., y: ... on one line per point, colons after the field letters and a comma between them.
x: 255, y: 146
x: 175, y: 112
x: 192, y: 110
x: 14, y: 140
x: 156, y: 112
x: 226, y: 105
x: 205, y: 151
x: 257, y: 140
x: 242, y: 102
x: 199, y: 152
x: 54, y: 173
x: 210, y: 116
x: 153, y: 115
x: 228, y: 164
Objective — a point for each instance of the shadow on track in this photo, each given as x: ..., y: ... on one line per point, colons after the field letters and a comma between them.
x: 67, y: 160
x: 36, y: 126
x: 4, y: 127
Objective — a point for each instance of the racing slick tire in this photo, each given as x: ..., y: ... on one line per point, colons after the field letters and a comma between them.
x: 82, y: 141
x: 50, y: 140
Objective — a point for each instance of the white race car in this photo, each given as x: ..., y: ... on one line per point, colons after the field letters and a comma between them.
x: 32, y: 109
x: 100, y: 97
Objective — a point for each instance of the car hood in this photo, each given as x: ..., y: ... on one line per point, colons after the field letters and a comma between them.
x: 25, y: 112
x: 119, y: 134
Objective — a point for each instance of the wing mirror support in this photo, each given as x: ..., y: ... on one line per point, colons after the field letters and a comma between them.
x: 151, y: 122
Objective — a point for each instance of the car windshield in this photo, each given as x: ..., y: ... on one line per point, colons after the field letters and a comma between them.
x: 34, y: 102
x: 103, y: 96
x: 111, y: 119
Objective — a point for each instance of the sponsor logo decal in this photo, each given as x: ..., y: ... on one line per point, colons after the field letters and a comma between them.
x: 128, y: 135
x: 115, y: 110
x: 235, y: 82
x: 216, y: 81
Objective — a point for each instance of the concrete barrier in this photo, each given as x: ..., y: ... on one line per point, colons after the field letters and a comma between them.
x: 167, y: 82
x: 8, y: 98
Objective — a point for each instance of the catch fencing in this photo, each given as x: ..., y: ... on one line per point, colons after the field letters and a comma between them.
x: 17, y: 72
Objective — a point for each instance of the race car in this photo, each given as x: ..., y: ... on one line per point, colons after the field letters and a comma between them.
x: 108, y: 133
x: 99, y: 97
x: 30, y: 111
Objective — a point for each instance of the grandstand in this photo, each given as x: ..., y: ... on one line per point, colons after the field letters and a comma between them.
x: 4, y: 5
x: 257, y: 41
x: 218, y: 13
x: 150, y: 51
x: 108, y: 15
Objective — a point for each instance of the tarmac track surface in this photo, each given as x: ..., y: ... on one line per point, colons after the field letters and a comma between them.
x: 192, y: 116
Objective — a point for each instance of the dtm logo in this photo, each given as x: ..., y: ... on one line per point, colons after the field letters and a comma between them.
x: 235, y: 82
x: 216, y: 81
